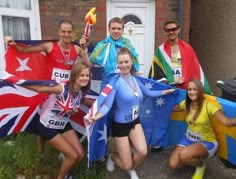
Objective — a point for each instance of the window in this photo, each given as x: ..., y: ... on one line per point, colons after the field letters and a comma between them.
x: 19, y: 19
x: 131, y: 18
x: 22, y: 4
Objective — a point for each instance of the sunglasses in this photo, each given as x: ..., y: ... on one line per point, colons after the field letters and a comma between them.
x: 172, y: 29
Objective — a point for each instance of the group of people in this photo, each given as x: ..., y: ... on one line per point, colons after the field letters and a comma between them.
x: 174, y: 63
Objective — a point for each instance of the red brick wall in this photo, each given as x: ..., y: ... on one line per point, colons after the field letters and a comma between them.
x: 51, y: 12
x: 168, y: 9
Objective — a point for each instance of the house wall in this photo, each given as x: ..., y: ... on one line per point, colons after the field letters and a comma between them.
x: 213, y: 27
x: 51, y: 12
x: 168, y: 9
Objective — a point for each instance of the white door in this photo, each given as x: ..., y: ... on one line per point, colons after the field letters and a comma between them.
x: 139, y: 18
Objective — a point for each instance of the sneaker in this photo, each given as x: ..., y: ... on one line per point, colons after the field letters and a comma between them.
x: 69, y: 177
x: 156, y: 149
x: 133, y: 174
x: 110, y: 164
x: 133, y: 151
x: 199, y: 172
x: 61, y: 156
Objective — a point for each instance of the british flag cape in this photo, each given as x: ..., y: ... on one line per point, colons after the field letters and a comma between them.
x: 18, y: 105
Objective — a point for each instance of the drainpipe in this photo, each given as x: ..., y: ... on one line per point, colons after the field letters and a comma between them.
x: 181, y: 14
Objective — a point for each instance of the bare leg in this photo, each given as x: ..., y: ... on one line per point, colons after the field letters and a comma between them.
x: 70, y: 146
x: 174, y: 160
x: 41, y: 144
x: 124, y: 158
x: 138, y: 140
x: 192, y: 155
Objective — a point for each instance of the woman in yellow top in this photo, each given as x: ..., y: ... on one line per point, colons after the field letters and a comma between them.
x: 199, y: 141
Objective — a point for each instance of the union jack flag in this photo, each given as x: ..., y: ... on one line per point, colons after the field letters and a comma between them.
x: 64, y: 105
x: 29, y: 66
x: 17, y: 107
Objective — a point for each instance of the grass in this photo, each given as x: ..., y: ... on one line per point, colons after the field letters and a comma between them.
x: 22, y: 158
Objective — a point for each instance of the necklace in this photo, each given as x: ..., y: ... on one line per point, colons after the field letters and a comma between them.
x: 133, y: 86
x: 66, y: 56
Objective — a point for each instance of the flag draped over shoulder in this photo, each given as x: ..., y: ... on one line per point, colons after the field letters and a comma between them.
x: 97, y: 132
x: 162, y: 65
x: 17, y: 104
x: 107, y: 51
x: 29, y: 66
x: 154, y: 115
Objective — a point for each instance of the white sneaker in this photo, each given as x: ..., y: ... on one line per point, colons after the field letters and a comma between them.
x: 133, y: 151
x: 133, y: 174
x: 61, y: 156
x: 110, y: 164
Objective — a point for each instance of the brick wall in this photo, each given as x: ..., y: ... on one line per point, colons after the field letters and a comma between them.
x: 169, y: 9
x: 51, y: 12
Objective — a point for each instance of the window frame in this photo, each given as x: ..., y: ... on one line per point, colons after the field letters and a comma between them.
x: 34, y: 22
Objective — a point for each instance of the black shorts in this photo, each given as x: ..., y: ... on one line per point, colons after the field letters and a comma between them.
x: 123, y: 129
x: 36, y: 127
x: 48, y: 133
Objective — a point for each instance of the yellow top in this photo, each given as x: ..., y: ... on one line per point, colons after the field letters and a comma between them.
x: 201, y: 129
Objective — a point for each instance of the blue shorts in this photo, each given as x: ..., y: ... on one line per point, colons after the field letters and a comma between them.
x: 211, y: 147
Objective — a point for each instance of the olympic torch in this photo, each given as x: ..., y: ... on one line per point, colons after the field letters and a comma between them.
x: 90, y: 20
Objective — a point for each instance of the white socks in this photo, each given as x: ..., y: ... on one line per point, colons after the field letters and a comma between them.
x: 111, y: 167
x: 110, y: 164
x: 133, y: 174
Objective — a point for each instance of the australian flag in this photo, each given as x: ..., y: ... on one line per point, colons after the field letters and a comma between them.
x: 154, y: 115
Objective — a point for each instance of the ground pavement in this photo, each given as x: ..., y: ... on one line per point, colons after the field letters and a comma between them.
x: 155, y: 167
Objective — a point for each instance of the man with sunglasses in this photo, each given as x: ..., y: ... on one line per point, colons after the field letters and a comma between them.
x: 176, y: 63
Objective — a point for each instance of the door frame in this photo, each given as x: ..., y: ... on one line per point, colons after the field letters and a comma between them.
x: 150, y: 42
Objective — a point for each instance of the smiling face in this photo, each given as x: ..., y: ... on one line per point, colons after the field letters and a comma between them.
x: 192, y: 91
x: 172, y: 31
x: 125, y: 64
x: 66, y: 32
x: 116, y: 30
x: 83, y: 78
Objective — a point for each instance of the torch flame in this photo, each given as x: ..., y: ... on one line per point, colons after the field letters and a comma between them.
x: 90, y: 17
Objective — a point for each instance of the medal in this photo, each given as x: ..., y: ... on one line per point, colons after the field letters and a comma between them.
x: 136, y: 94
x: 66, y: 57
x: 133, y: 87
